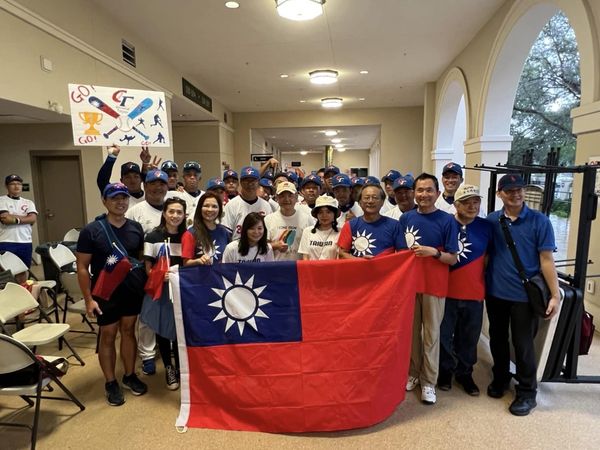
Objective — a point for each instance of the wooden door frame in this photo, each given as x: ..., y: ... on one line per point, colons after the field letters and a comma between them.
x: 36, y: 173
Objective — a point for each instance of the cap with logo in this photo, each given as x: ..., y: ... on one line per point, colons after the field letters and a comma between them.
x: 405, y: 182
x: 311, y: 178
x: 129, y: 167
x: 265, y: 182
x: 286, y: 186
x: 340, y: 180
x: 156, y: 175
x: 391, y: 176
x: 357, y: 181
x: 249, y: 172
x: 372, y: 180
x: 466, y: 191
x: 230, y: 174
x: 268, y: 174
x: 11, y: 178
x: 214, y: 183
x: 510, y: 181
x: 453, y: 167
x: 113, y: 189
x: 331, y: 169
x: 168, y: 166
x: 192, y: 165
x: 292, y: 176
x: 325, y: 201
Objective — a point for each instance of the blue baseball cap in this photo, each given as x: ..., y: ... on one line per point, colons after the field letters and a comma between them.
x: 113, y: 189
x: 391, y: 176
x: 341, y: 180
x: 268, y: 174
x: 215, y: 183
x: 130, y: 167
x: 11, y: 178
x: 230, y: 174
x: 453, y: 167
x: 333, y: 169
x: 292, y: 176
x: 156, y: 175
x: 249, y: 172
x: 169, y: 165
x: 406, y: 182
x: 265, y: 182
x: 511, y: 181
x: 357, y: 181
x: 192, y: 165
x: 311, y: 178
x: 371, y: 180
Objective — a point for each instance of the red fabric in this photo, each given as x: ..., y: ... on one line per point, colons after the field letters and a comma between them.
x: 188, y: 246
x: 349, y: 370
x: 111, y: 276
x: 432, y: 276
x: 345, y: 237
x: 468, y: 281
x: 156, y: 278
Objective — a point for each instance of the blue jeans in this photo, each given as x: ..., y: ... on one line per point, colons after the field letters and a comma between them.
x: 459, y: 335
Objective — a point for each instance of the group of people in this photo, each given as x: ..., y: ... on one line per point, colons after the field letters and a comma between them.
x: 260, y: 215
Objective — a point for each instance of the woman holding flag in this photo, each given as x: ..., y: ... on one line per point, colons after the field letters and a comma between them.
x: 162, y: 249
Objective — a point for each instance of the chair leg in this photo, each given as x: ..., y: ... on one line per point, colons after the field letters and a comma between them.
x: 73, y: 352
x: 36, y: 417
x: 28, y: 400
x: 69, y: 393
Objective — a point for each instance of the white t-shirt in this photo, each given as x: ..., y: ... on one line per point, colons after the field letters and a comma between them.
x: 145, y: 214
x: 387, y: 205
x: 20, y: 233
x: 135, y: 201
x: 319, y: 245
x: 442, y: 204
x: 274, y: 204
x: 394, y: 213
x: 356, y: 210
x: 232, y: 254
x: 289, y: 230
x: 236, y: 210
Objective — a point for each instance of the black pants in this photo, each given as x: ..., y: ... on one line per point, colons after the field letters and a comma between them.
x: 164, y: 346
x: 523, y: 324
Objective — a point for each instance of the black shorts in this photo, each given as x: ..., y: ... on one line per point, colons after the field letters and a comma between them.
x: 121, y: 304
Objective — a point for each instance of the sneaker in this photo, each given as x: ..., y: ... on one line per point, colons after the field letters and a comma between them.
x: 114, y: 395
x: 134, y: 384
x: 412, y: 383
x: 522, y: 406
x: 148, y: 367
x: 496, y: 389
x: 444, y: 381
x: 171, y: 376
x: 466, y: 381
x: 428, y: 394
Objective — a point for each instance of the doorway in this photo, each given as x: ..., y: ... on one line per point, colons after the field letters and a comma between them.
x: 58, y: 192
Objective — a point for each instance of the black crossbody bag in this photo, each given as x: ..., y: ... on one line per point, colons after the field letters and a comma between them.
x: 536, y: 287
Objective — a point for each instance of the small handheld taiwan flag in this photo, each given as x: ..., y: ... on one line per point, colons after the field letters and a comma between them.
x: 114, y: 272
x: 156, y: 279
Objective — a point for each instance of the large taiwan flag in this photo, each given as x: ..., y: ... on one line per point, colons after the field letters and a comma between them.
x: 294, y: 346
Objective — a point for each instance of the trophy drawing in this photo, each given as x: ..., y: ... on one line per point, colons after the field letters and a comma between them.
x: 91, y: 118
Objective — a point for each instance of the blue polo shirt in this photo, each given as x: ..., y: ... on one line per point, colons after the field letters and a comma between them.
x: 532, y: 233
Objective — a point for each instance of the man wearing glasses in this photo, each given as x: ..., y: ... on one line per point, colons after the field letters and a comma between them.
x: 463, y: 313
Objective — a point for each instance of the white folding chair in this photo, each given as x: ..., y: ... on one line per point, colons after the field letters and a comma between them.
x: 15, y: 300
x: 16, y: 357
x: 72, y: 235
x: 10, y: 261
x: 64, y: 259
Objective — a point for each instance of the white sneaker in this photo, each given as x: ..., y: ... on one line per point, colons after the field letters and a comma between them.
x: 412, y: 383
x: 428, y: 394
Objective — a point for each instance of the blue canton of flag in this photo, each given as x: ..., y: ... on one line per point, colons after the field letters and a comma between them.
x: 240, y: 303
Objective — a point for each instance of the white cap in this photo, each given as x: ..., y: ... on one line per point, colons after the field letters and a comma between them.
x: 286, y: 186
x: 325, y: 200
x: 466, y: 191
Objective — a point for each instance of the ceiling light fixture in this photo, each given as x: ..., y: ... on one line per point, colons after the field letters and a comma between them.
x: 332, y: 102
x: 361, y: 99
x: 283, y: 75
x: 364, y: 72
x: 299, y: 9
x: 341, y: 149
x: 330, y: 133
x: 338, y: 146
x: 336, y: 141
x: 323, y: 76
x: 232, y: 5
x: 302, y: 101
x: 304, y: 153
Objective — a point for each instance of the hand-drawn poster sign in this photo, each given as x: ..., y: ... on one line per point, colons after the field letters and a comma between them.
x: 126, y: 117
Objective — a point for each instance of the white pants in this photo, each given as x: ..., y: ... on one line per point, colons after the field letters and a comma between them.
x: 146, y: 341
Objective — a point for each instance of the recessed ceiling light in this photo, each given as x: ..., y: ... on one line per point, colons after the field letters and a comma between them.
x: 323, y: 76
x: 364, y: 72
x: 361, y: 99
x: 330, y: 133
x: 338, y: 146
x: 302, y: 101
x: 332, y: 102
x: 299, y: 9
x: 304, y: 153
x: 284, y: 75
x: 342, y: 149
x: 336, y: 140
x: 232, y: 5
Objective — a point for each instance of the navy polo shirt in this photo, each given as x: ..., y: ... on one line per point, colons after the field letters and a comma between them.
x: 532, y: 233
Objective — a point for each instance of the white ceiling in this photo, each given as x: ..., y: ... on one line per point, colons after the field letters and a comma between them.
x: 237, y: 55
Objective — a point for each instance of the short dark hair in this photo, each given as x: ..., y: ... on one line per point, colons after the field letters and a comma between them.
x: 376, y: 186
x: 427, y: 176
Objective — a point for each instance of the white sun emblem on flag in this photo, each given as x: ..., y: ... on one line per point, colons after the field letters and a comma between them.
x: 463, y: 247
x: 412, y: 237
x: 111, y: 260
x: 239, y: 303
x: 216, y: 252
x: 363, y: 243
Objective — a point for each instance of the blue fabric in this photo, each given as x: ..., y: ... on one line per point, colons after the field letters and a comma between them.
x: 232, y: 294
x: 474, y: 241
x: 159, y: 315
x: 105, y: 172
x: 437, y: 229
x: 379, y: 236
x: 532, y: 233
x: 21, y: 249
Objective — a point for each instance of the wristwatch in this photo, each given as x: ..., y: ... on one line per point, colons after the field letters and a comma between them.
x: 438, y: 255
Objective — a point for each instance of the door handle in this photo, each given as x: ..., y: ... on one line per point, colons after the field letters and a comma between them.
x: 49, y: 214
